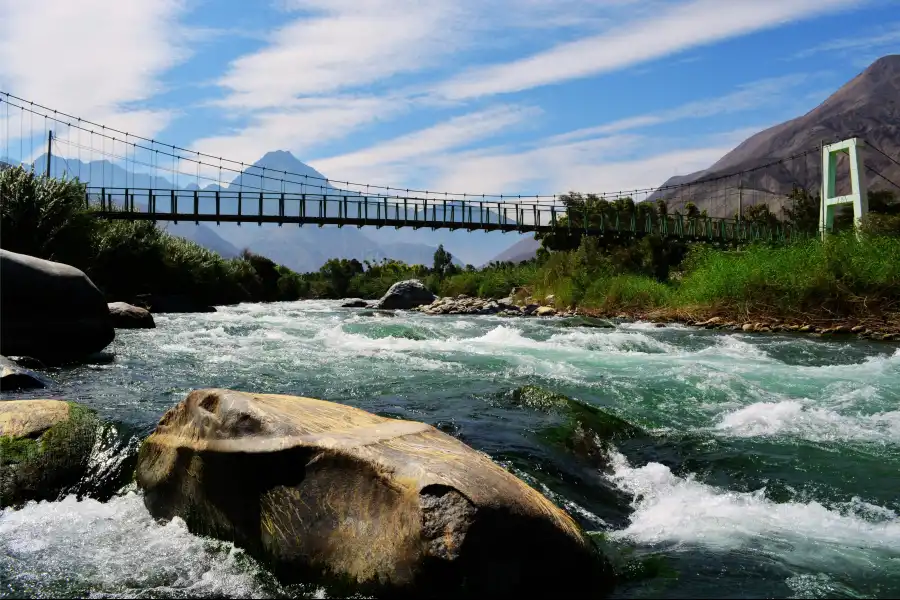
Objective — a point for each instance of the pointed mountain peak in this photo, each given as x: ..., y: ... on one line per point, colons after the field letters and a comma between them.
x: 283, y: 160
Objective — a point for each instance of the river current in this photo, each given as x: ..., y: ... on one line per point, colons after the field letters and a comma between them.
x: 772, y: 466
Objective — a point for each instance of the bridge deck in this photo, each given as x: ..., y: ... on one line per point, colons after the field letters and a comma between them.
x: 225, y: 206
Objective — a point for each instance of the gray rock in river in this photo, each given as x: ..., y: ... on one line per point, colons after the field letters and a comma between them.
x: 128, y: 316
x: 16, y: 377
x: 406, y: 294
x: 322, y: 491
x: 172, y: 303
x: 355, y: 303
x: 467, y: 305
x: 49, y: 310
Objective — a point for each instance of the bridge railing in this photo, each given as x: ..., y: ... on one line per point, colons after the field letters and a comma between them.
x: 394, y: 211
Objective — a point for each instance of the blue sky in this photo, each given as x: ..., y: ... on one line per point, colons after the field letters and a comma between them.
x: 477, y: 96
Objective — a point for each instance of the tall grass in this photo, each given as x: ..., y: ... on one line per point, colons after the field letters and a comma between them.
x: 842, y: 275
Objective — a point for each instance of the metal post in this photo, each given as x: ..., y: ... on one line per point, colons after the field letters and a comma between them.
x: 49, y: 151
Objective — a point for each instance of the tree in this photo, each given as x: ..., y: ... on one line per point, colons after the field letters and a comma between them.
x: 803, y: 213
x: 338, y: 272
x: 691, y: 211
x: 443, y: 261
x: 761, y: 215
x: 662, y: 209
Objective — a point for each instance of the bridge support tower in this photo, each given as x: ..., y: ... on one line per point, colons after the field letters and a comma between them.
x: 858, y: 195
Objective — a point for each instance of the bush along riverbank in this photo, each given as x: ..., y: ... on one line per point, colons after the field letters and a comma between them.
x: 130, y: 261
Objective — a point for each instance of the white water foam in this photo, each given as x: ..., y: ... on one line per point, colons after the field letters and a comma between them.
x: 802, y: 420
x: 116, y: 548
x: 683, y: 513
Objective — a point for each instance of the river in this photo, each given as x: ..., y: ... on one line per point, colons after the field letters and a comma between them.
x: 771, y: 468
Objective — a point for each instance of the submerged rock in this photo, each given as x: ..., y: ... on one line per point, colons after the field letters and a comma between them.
x: 590, y: 322
x: 588, y: 431
x: 355, y: 303
x: 15, y: 377
x: 128, y: 316
x: 329, y: 493
x: 172, y: 303
x: 45, y: 446
x: 406, y: 294
x: 49, y: 310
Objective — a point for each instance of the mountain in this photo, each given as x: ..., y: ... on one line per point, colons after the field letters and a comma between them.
x: 524, y: 249
x: 866, y: 107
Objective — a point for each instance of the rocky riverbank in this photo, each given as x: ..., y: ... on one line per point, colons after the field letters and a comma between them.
x: 517, y: 306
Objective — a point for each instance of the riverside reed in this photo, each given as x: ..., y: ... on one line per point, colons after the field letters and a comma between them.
x: 844, y: 278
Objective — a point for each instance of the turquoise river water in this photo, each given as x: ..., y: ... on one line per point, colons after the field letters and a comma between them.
x: 772, y: 468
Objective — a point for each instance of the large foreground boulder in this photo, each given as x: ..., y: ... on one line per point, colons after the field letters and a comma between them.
x: 406, y: 294
x: 49, y: 310
x: 327, y: 493
x: 128, y: 316
x: 45, y: 447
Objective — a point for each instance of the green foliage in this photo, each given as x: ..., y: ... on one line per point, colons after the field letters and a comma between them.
x: 843, y: 274
x: 443, y: 262
x: 47, y: 218
x: 43, y: 217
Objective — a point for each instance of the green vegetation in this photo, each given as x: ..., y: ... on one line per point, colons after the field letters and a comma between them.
x: 843, y: 277
x: 48, y: 218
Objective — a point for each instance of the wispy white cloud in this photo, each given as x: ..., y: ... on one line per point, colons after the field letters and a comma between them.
x: 602, y: 165
x: 92, y: 58
x: 886, y: 38
x: 675, y: 29
x: 304, y: 125
x: 335, y: 45
x: 416, y: 148
x: 762, y: 94
x: 291, y: 89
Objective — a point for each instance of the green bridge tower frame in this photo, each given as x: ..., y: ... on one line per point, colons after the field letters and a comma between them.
x: 858, y: 195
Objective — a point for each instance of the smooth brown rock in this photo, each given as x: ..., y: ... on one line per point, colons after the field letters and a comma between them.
x: 31, y: 418
x: 545, y: 311
x: 45, y: 448
x: 324, y: 492
x: 748, y: 327
x: 128, y: 316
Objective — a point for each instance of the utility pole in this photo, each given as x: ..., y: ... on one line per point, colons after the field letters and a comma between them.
x: 49, y: 151
x: 741, y: 200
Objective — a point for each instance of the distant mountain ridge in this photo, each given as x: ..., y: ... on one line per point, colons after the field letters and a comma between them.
x: 867, y: 107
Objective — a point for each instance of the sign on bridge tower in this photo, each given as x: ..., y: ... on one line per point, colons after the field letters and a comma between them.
x: 858, y: 193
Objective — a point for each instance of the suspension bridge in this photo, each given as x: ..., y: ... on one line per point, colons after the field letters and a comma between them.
x: 134, y: 178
